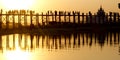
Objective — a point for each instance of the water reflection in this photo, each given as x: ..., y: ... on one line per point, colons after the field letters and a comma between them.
x: 119, y: 50
x: 31, y: 42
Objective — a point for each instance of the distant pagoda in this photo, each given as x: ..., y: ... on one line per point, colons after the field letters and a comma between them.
x: 101, y: 12
x: 98, y: 18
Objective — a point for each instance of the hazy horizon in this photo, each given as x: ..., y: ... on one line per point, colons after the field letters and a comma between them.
x: 64, y: 5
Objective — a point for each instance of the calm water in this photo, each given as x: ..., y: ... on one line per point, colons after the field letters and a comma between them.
x: 77, y: 46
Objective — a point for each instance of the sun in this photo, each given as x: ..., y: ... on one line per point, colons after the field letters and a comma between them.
x: 17, y: 4
x: 17, y: 54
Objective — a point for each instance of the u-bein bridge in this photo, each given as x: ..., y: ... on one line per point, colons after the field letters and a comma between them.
x: 13, y: 19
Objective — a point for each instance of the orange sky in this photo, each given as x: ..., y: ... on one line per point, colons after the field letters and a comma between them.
x: 78, y: 5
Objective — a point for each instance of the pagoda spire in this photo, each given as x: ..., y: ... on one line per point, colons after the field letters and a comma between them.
x: 101, y: 7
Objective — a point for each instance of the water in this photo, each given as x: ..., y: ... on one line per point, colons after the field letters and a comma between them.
x: 75, y: 46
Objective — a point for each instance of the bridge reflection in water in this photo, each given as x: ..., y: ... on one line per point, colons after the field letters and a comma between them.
x: 31, y: 42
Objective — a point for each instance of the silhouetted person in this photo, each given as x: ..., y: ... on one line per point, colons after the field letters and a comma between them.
x: 90, y: 14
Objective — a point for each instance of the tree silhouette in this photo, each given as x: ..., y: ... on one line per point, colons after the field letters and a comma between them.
x: 119, y: 5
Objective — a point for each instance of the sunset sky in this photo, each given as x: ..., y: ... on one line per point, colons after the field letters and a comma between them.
x: 68, y: 5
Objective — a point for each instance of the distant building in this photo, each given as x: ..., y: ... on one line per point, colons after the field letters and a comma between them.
x: 97, y: 18
x: 101, y: 12
x: 101, y: 16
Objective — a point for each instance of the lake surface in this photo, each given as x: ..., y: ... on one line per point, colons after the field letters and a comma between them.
x: 74, y: 46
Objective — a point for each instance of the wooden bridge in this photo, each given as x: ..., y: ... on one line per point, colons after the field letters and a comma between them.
x: 27, y: 18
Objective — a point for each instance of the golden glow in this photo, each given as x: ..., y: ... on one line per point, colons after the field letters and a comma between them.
x: 17, y: 4
x: 17, y: 54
